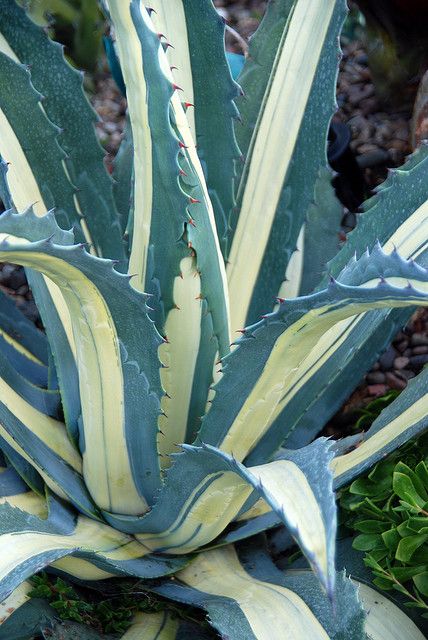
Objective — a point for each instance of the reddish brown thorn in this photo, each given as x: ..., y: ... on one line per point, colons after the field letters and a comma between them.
x: 342, y: 236
x: 182, y: 173
x: 165, y: 339
x: 150, y: 10
x: 192, y: 222
x: 176, y: 307
x: 166, y: 45
x: 176, y: 87
x: 188, y: 104
x: 193, y: 200
x: 182, y: 145
x: 241, y: 331
x: 181, y: 275
x: 161, y: 35
x: 280, y: 300
x: 199, y: 297
x: 174, y: 68
x: 190, y: 245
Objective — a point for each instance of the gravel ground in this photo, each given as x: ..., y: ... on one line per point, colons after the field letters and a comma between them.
x: 380, y: 139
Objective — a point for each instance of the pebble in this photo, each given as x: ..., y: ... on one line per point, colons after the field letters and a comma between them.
x: 419, y: 361
x: 386, y: 360
x: 420, y: 350
x: 419, y: 339
x: 377, y: 389
x: 375, y: 377
x: 401, y: 362
x: 395, y: 382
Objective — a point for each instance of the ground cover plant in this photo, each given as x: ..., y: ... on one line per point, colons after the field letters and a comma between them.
x: 196, y: 339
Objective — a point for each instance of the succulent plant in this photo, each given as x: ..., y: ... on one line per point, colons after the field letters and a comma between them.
x: 136, y: 440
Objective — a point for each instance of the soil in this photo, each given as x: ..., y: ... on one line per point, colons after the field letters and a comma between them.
x: 380, y: 140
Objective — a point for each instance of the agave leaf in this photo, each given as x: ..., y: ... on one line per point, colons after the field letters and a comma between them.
x: 22, y: 344
x: 119, y: 381
x: 29, y: 544
x: 175, y: 253
x: 56, y: 319
x: 405, y: 418
x: 354, y: 345
x: 286, y: 152
x: 123, y: 167
x: 205, y: 480
x: 197, y: 54
x: 245, y: 605
x: 29, y: 615
x: 66, y: 105
x: 152, y: 626
x: 276, y: 357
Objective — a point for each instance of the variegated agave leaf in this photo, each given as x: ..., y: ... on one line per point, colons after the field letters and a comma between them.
x: 148, y: 471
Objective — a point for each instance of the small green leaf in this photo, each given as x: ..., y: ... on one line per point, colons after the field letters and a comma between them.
x: 405, y: 489
x: 391, y: 539
x: 407, y: 546
x: 367, y: 542
x: 371, y: 526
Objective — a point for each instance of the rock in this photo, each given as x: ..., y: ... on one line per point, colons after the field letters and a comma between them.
x: 375, y: 377
x: 419, y: 361
x: 377, y: 389
x: 401, y: 362
x: 386, y: 360
x: 402, y: 345
x: 419, y: 339
x: 417, y: 351
x: 395, y: 382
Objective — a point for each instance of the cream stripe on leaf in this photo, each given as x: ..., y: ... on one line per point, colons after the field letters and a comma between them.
x: 182, y: 227
x: 152, y: 626
x: 28, y: 543
x: 22, y: 344
x: 249, y: 598
x: 405, y: 418
x: 205, y: 490
x: 24, y: 186
x: 384, y: 618
x: 117, y: 363
x: 391, y: 216
x: 66, y: 105
x: 267, y: 364
x: 286, y: 152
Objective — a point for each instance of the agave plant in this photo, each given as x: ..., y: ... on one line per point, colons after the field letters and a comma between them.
x: 136, y: 440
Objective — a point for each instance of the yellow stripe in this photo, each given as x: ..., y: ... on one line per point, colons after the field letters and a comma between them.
x: 50, y: 431
x: 20, y: 348
x: 272, y: 147
x: 179, y: 355
x: 106, y: 466
x: 386, y: 621
x: 88, y: 536
x: 16, y: 599
x: 29, y: 501
x: 132, y: 65
x: 152, y: 626
x: 307, y: 340
x: 82, y: 569
x: 258, y: 509
x: 288, y: 486
x: 207, y: 517
x: 379, y: 440
x: 293, y: 275
x: 273, y: 612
